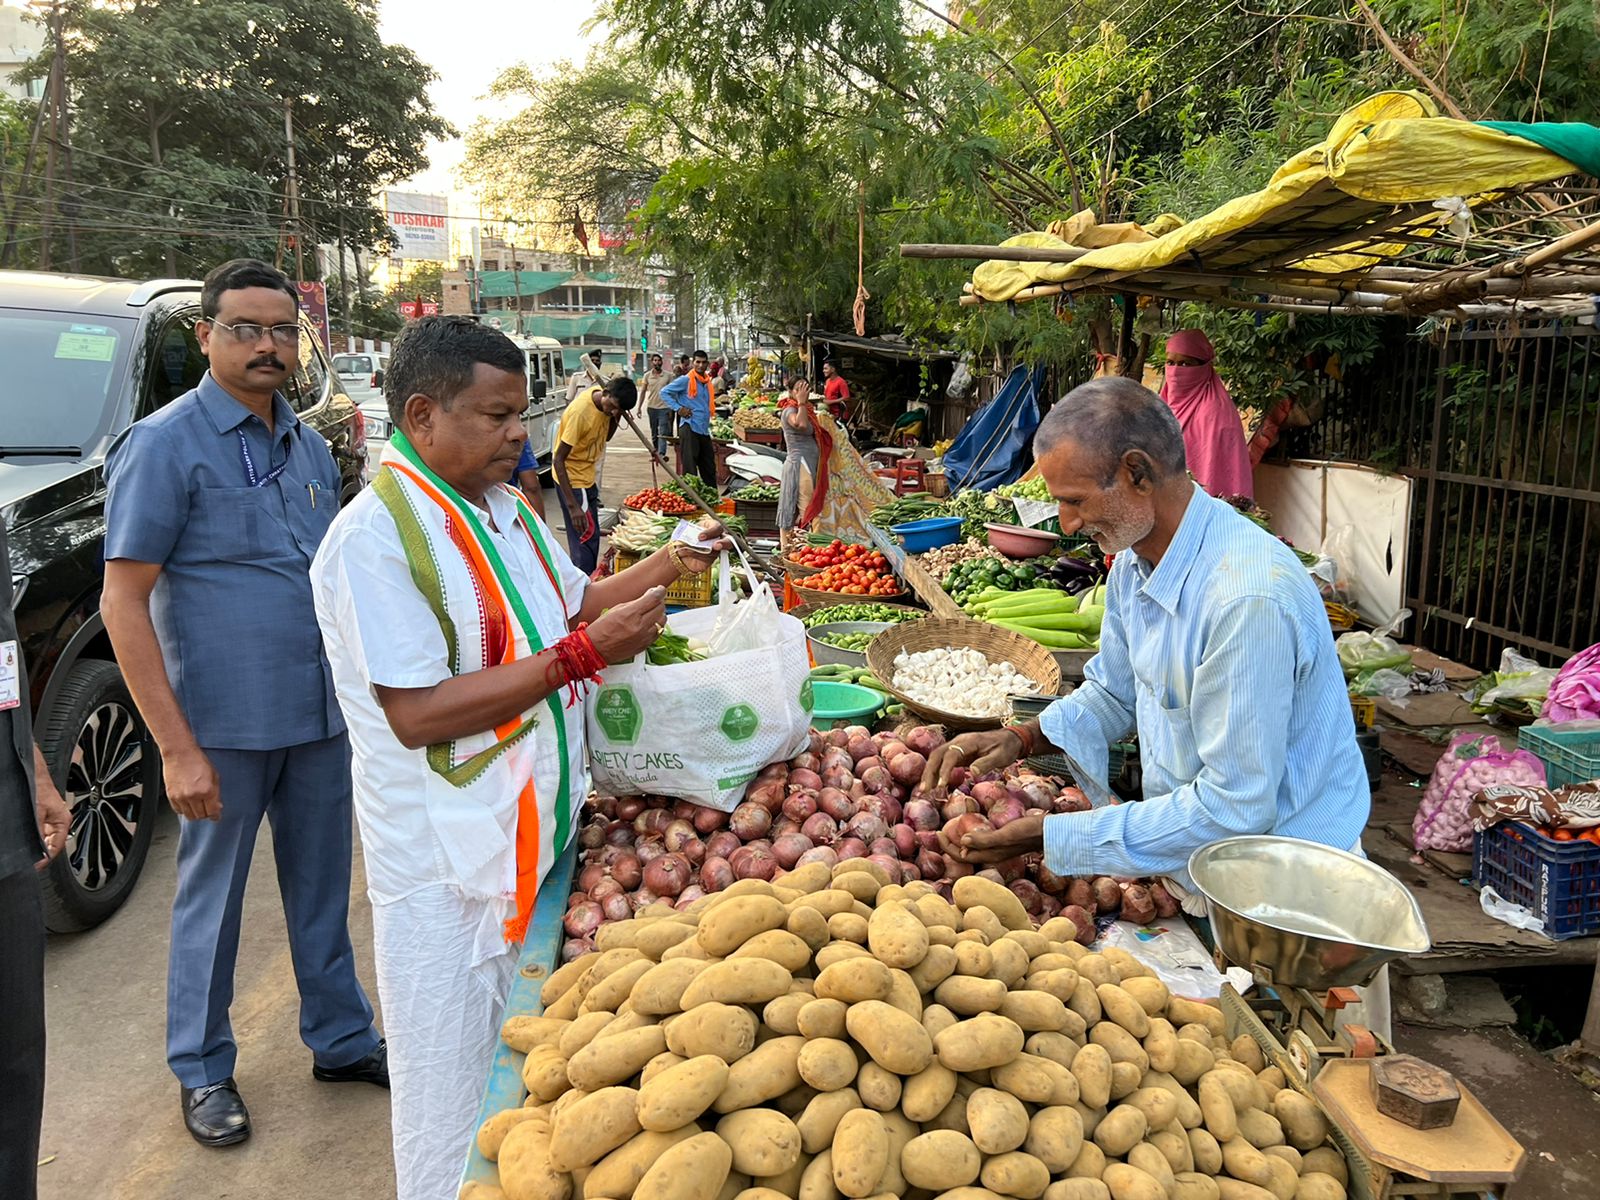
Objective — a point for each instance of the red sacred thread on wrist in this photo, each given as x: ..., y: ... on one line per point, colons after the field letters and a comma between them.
x: 1025, y: 736
x: 580, y: 660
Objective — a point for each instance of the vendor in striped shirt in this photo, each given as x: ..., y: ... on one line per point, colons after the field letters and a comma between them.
x: 1215, y: 647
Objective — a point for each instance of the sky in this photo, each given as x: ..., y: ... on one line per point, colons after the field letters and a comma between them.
x: 468, y: 42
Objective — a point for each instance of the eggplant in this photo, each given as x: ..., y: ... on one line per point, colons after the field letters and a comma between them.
x: 1076, y: 567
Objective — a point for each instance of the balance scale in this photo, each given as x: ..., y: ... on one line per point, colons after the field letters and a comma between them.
x: 1302, y: 1033
x: 1311, y: 924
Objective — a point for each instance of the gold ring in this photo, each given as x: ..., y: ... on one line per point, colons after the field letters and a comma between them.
x: 961, y: 750
x: 661, y: 628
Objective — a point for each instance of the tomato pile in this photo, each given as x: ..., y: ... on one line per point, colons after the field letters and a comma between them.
x: 837, y: 553
x: 852, y: 579
x: 661, y: 501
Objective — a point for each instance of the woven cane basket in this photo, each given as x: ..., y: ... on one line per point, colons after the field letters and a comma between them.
x: 994, y: 643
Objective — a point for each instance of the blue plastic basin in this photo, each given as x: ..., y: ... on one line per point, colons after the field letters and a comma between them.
x: 928, y: 534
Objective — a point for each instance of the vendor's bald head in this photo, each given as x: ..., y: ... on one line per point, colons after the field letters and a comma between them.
x: 1112, y: 454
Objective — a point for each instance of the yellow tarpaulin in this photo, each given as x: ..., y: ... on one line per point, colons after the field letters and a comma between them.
x: 1392, y: 149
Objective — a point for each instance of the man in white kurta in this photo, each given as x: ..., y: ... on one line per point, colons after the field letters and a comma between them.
x: 440, y: 858
x: 441, y: 606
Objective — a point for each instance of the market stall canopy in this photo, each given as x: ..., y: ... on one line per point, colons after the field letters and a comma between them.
x: 1398, y: 210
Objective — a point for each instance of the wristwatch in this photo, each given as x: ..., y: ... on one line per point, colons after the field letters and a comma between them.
x: 675, y: 553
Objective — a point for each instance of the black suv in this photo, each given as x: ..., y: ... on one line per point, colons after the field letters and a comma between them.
x: 82, y: 359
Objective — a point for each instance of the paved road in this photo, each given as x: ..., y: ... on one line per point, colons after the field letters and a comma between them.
x: 112, y: 1129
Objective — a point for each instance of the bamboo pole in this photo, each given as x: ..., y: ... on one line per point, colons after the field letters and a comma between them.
x: 1379, y: 294
x: 760, y: 561
x: 1468, y: 286
x: 1005, y: 253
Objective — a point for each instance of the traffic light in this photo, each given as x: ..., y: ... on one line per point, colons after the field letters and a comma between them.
x: 613, y: 310
x: 644, y: 337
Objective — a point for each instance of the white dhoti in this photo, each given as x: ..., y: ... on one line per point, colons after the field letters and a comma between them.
x: 444, y: 828
x: 442, y: 1008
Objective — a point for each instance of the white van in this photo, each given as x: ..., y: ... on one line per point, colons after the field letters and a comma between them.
x: 361, y: 377
x: 547, y: 395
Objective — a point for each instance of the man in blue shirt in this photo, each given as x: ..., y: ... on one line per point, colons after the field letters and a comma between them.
x: 526, y: 478
x: 216, y: 505
x: 1215, y: 646
x: 690, y: 396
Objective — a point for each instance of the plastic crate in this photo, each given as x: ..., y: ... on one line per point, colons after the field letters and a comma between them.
x: 760, y: 516
x: 1569, y: 755
x: 1559, y: 882
x: 685, y: 593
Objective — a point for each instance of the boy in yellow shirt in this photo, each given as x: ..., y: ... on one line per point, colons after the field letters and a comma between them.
x: 586, y: 427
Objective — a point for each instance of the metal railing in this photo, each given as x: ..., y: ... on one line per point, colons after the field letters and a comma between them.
x: 1501, y: 432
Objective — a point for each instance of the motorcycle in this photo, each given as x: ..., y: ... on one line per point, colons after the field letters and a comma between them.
x: 754, y: 464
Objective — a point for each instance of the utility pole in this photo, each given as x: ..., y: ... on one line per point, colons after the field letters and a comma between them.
x: 516, y: 281
x: 291, y: 196
x: 344, y: 291
x: 53, y: 98
x: 64, y: 116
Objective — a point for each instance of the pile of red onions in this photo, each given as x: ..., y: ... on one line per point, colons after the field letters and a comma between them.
x: 851, y: 794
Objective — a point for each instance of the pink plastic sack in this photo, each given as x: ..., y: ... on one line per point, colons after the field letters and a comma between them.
x: 1471, y: 763
x: 1575, y: 694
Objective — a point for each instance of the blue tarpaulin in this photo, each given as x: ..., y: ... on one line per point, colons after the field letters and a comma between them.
x: 991, y: 448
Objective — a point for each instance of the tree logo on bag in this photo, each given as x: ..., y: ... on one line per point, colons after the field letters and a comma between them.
x: 808, y: 699
x: 740, y: 723
x: 618, y: 713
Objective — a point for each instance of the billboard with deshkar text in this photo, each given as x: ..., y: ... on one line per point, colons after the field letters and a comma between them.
x: 421, y: 225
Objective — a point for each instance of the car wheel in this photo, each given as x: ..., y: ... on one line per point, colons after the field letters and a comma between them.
x: 105, y: 763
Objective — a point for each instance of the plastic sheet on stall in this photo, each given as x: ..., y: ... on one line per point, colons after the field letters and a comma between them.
x: 1175, y: 953
x: 1514, y: 915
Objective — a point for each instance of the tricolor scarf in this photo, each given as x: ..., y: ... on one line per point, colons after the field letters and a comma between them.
x: 406, y: 486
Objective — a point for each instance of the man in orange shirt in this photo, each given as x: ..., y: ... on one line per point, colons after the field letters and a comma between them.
x: 836, y: 392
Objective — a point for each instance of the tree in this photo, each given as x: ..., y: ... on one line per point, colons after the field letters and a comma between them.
x: 178, y: 127
x: 764, y: 135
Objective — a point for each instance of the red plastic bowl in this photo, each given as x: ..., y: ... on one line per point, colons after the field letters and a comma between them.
x: 1014, y: 541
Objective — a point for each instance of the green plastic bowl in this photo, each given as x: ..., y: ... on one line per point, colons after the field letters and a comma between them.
x: 835, y: 701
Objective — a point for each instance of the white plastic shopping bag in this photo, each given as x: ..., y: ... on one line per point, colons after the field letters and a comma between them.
x: 701, y: 731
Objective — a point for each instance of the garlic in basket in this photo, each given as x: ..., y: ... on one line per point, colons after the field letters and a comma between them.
x: 960, y: 681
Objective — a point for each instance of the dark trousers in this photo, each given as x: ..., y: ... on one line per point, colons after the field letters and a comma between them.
x: 661, y: 428
x: 304, y: 791
x: 699, y: 454
x: 21, y: 1033
x: 585, y: 555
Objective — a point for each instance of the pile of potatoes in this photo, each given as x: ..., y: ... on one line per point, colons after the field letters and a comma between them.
x: 832, y: 1036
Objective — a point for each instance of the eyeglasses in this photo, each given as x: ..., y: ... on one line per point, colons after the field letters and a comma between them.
x: 248, y: 333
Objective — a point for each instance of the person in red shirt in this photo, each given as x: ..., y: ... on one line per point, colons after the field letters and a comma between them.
x: 836, y: 392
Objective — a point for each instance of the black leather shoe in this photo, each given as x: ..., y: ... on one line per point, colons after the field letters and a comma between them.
x: 374, y: 1068
x: 215, y: 1114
